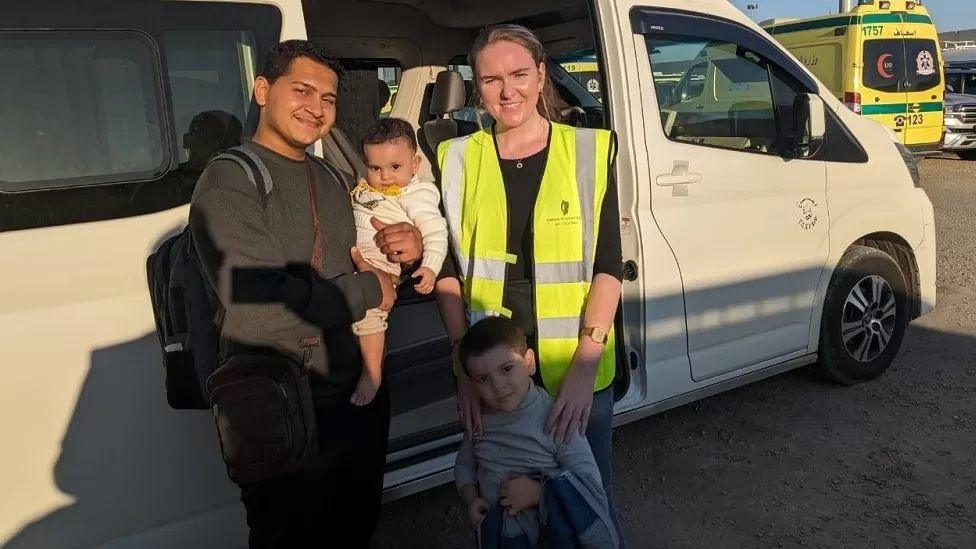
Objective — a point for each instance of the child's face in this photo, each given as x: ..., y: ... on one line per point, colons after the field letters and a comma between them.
x: 390, y: 164
x: 501, y: 377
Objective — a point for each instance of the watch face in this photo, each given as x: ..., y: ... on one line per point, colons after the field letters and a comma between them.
x: 598, y: 335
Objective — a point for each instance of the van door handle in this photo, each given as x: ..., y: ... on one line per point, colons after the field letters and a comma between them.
x: 670, y: 180
x: 679, y: 175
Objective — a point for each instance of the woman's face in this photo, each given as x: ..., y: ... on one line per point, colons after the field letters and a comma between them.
x: 509, y: 82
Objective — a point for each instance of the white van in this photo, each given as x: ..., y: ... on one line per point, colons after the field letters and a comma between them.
x: 764, y: 229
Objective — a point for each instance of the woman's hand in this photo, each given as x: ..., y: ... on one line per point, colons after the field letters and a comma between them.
x: 571, y: 412
x: 477, y: 509
x: 469, y: 407
x: 520, y: 493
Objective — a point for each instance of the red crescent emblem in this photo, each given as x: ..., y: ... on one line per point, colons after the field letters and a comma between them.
x: 881, y: 65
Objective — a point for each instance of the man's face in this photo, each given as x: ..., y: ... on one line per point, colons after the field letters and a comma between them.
x: 501, y: 377
x: 300, y: 106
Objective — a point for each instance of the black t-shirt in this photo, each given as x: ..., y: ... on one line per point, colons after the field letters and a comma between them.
x: 522, y: 186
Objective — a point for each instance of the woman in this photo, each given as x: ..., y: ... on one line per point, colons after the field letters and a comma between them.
x: 533, y: 215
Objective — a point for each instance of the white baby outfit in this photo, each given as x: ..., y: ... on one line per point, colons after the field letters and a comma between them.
x: 418, y: 204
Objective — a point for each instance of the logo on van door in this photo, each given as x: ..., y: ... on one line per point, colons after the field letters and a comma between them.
x: 808, y: 215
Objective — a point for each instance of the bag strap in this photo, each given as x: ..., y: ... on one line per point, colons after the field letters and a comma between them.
x: 318, y: 254
x: 255, y: 169
x: 342, y: 177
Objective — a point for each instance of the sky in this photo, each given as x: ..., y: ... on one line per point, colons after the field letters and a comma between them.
x: 949, y: 15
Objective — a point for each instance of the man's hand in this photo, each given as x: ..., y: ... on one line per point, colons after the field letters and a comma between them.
x: 387, y: 281
x: 520, y: 493
x: 427, y: 277
x: 401, y: 242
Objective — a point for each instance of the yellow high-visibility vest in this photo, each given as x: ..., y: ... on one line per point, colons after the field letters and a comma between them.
x: 565, y: 224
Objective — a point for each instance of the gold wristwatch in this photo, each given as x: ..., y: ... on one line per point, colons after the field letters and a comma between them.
x: 596, y: 334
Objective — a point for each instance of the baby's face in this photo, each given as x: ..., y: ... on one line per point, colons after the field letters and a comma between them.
x: 501, y: 377
x: 391, y: 164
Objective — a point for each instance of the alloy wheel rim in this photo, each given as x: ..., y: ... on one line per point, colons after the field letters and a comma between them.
x: 868, y: 320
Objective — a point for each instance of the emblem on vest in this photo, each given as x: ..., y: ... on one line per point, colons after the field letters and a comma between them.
x: 565, y: 218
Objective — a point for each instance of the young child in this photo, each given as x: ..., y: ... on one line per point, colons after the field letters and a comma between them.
x: 499, y: 466
x: 392, y: 193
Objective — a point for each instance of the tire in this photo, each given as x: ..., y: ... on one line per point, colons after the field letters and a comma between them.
x: 967, y: 155
x: 856, y: 347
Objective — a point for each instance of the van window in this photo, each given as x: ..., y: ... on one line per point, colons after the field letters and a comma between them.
x: 896, y: 65
x: 86, y: 102
x: 723, y: 97
x: 585, y: 69
x: 389, y: 83
x: 211, y: 75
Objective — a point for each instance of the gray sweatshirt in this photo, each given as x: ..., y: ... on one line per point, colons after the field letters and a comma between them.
x: 258, y: 260
x: 515, y: 443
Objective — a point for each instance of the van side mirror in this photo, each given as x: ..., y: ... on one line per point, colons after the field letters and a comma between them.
x: 809, y: 125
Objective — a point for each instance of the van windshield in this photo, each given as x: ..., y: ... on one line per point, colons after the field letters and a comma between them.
x: 897, y: 65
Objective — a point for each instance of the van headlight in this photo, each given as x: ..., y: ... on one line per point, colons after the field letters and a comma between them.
x: 911, y: 163
x: 952, y: 108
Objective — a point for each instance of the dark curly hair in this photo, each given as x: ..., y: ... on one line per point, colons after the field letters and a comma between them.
x: 280, y: 56
x: 388, y: 130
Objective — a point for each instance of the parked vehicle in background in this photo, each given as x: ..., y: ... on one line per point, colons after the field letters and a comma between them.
x: 960, y: 123
x: 882, y: 59
x: 960, y: 80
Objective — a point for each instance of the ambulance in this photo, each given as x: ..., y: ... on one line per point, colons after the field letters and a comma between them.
x: 882, y: 59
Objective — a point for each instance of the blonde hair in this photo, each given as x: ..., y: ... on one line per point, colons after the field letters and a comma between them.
x: 550, y: 105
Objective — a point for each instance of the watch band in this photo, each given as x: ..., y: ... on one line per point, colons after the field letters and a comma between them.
x: 596, y: 334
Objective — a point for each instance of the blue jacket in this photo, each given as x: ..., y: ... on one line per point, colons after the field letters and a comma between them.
x: 573, y: 514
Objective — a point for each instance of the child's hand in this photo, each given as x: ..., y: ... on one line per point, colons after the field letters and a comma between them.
x: 477, y: 509
x: 519, y: 493
x: 427, y: 278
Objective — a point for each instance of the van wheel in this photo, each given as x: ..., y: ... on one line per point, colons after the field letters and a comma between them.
x: 865, y: 316
x: 967, y: 155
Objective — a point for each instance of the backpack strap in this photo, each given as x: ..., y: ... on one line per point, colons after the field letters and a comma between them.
x: 341, y: 176
x: 255, y: 169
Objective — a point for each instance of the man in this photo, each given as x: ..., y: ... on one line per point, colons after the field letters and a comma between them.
x: 258, y: 254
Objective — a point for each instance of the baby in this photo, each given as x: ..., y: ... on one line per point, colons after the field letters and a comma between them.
x: 392, y: 193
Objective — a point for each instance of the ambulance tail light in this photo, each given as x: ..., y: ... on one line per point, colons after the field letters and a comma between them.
x: 852, y: 100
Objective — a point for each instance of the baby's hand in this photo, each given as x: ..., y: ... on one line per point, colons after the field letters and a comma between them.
x: 477, y: 510
x: 427, y: 278
x: 520, y: 493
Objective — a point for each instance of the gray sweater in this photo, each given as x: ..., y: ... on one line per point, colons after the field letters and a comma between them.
x: 258, y: 260
x: 515, y: 443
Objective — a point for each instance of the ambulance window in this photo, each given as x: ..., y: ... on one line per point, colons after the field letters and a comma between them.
x: 884, y: 64
x: 922, y: 64
x: 722, y: 97
x: 87, y: 102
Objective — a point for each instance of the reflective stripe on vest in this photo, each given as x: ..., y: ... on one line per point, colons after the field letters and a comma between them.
x: 565, y: 231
